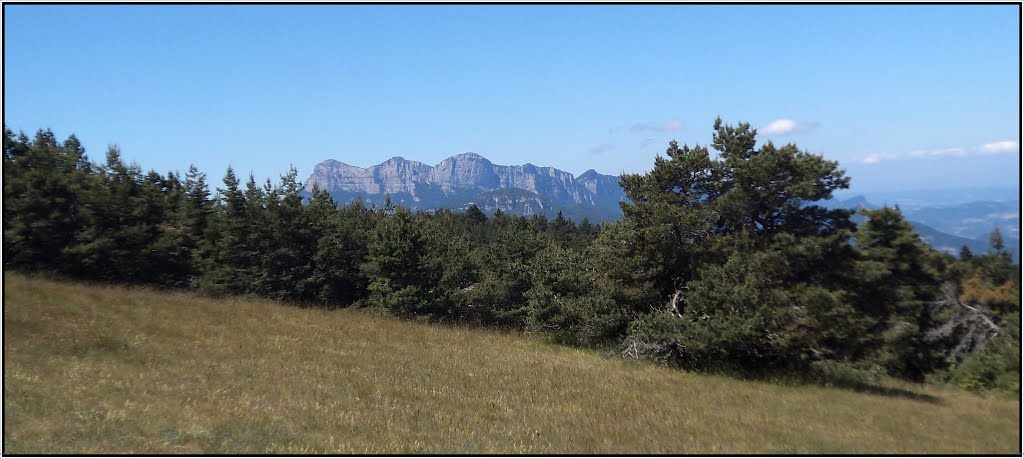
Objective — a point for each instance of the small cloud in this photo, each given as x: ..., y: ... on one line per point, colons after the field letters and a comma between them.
x: 671, y: 125
x: 646, y: 142
x: 667, y: 126
x: 785, y: 126
x: 601, y: 149
x: 1005, y: 146
x: 938, y: 152
x: 874, y: 158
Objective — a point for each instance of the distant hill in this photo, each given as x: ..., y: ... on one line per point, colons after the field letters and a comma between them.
x: 950, y: 227
x: 909, y: 199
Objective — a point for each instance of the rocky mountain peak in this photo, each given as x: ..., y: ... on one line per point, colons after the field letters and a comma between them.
x: 468, y: 156
x: 460, y: 178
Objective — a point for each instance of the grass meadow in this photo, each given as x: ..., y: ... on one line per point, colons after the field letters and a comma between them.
x: 101, y: 369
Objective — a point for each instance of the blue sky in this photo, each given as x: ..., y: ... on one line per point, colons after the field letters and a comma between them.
x: 905, y: 97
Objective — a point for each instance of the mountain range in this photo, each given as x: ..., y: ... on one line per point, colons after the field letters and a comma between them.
x: 467, y: 179
x: 470, y: 179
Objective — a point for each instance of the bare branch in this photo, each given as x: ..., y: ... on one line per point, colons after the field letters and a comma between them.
x: 968, y: 325
x: 674, y: 303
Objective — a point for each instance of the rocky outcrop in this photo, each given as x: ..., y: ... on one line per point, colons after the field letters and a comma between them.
x: 457, y: 180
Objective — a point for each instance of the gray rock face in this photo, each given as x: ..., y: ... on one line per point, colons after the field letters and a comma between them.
x: 456, y: 180
x: 463, y: 172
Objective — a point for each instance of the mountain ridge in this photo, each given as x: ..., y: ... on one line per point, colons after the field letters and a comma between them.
x: 462, y: 179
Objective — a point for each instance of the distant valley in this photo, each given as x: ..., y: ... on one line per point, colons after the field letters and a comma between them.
x: 948, y: 227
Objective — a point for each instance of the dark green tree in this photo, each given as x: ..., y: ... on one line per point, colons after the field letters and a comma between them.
x: 572, y: 302
x: 396, y: 264
x: 44, y: 182
x: 340, y: 248
x: 228, y: 269
x: 500, y: 296
x: 899, y: 277
x: 716, y: 235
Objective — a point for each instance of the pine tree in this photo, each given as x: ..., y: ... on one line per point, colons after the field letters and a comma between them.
x: 997, y: 264
x: 286, y: 245
x: 475, y: 215
x: 395, y: 264
x: 899, y: 277
x: 712, y: 236
x: 965, y: 253
x: 336, y: 277
x: 570, y: 301
x: 500, y: 296
x: 229, y: 267
x: 44, y: 183
x: 123, y: 218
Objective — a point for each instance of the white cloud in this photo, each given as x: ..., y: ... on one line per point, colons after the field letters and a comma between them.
x: 1005, y: 146
x: 958, y: 152
x: 672, y: 125
x: 785, y: 126
x: 667, y: 126
x: 877, y: 157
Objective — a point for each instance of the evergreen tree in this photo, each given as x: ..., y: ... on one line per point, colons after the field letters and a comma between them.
x: 340, y: 249
x: 475, y: 215
x: 571, y: 302
x: 500, y: 296
x: 451, y: 257
x: 900, y: 276
x: 997, y: 264
x: 228, y: 269
x: 195, y: 213
x: 996, y: 240
x: 123, y: 224
x: 965, y: 253
x: 287, y: 245
x: 44, y: 182
x: 395, y: 264
x: 706, y: 228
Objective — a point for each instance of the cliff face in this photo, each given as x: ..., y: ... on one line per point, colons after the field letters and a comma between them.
x: 456, y: 181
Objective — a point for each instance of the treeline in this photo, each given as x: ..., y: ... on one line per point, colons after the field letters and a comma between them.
x: 721, y: 262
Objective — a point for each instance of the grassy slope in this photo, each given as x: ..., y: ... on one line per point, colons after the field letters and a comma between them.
x: 105, y: 370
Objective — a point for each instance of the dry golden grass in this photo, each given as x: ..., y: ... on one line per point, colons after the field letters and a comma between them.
x: 114, y: 370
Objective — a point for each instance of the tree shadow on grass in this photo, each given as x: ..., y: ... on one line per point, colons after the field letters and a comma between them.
x: 860, y: 382
x: 877, y: 389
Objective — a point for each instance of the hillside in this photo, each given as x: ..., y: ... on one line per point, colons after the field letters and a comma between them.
x: 114, y: 370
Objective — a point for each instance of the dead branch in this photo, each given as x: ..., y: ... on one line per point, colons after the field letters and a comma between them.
x: 968, y: 325
x: 674, y: 303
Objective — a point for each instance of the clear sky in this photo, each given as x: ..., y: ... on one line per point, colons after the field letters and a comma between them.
x: 905, y: 97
